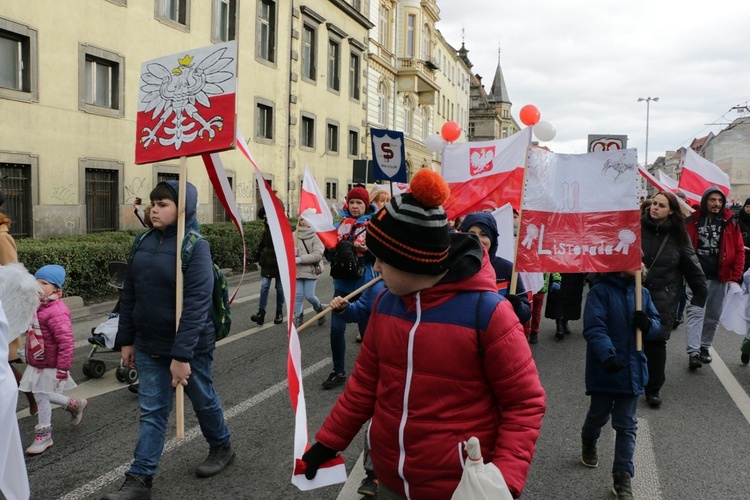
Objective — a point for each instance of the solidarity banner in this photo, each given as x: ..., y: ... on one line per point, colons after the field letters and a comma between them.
x: 485, y: 175
x: 580, y: 213
x: 699, y: 174
x: 389, y: 155
x: 187, y: 104
x: 314, y: 209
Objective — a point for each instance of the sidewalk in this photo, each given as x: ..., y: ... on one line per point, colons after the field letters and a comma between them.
x: 79, y: 310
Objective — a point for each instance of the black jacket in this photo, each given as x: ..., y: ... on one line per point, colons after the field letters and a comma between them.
x: 664, y: 277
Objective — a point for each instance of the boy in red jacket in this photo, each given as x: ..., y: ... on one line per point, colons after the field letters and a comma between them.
x: 444, y: 359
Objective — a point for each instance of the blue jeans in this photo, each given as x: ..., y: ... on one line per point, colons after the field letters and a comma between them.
x: 338, y: 337
x: 622, y: 408
x: 155, y: 395
x: 265, y: 286
x: 305, y: 289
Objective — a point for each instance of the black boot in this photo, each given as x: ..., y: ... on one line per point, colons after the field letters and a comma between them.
x: 279, y: 317
x: 559, y: 329
x: 259, y: 317
x: 566, y: 328
x: 218, y: 458
x: 589, y: 457
x: 135, y: 487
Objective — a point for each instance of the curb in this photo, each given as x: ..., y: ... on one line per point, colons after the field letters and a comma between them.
x: 79, y: 311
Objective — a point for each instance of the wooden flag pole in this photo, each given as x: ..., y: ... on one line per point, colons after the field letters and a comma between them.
x: 180, y: 393
x: 348, y: 297
x: 638, y: 307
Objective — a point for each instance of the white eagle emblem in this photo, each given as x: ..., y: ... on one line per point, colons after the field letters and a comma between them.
x: 175, y: 93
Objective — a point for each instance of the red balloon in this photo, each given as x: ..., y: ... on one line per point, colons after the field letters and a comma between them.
x: 530, y: 115
x: 450, y: 131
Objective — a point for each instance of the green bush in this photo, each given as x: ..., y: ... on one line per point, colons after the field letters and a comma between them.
x: 86, y: 257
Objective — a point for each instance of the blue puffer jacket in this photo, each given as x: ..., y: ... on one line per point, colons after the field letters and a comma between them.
x: 147, y: 309
x: 609, y: 331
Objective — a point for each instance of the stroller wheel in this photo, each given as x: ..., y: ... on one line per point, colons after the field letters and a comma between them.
x: 85, y: 369
x: 131, y: 375
x: 120, y: 373
x: 97, y: 368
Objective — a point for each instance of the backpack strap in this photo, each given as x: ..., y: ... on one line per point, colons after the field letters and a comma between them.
x: 137, y: 243
x: 188, y: 245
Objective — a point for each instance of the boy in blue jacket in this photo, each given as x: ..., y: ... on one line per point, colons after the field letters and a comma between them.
x: 616, y: 372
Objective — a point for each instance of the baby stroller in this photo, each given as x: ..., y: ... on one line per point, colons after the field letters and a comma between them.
x: 102, y: 338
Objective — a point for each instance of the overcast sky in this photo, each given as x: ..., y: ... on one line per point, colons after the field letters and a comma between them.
x: 585, y: 63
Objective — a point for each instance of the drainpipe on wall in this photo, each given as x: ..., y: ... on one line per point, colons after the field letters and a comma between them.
x: 289, y: 116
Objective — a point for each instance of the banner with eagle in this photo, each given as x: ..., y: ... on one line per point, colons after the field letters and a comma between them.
x: 187, y: 104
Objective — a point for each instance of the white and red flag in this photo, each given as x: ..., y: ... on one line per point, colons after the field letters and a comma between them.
x: 699, y: 174
x: 333, y: 471
x: 580, y: 213
x: 187, y: 103
x: 321, y: 221
x: 485, y: 175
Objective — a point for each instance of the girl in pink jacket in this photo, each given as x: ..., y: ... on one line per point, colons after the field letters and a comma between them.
x: 49, y: 354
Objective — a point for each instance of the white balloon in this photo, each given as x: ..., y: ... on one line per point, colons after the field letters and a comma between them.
x: 434, y: 143
x: 544, y: 131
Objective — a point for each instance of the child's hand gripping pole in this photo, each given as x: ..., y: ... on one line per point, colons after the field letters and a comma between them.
x: 348, y: 297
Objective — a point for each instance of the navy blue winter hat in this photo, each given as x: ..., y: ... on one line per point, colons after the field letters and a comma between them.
x: 53, y: 274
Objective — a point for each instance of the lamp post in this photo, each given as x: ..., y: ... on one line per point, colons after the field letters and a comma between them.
x: 648, y: 106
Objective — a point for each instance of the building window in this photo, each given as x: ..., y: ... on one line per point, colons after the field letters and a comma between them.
x: 411, y: 20
x: 357, y: 4
x: 383, y: 25
x: 506, y: 114
x: 264, y: 121
x: 354, y: 76
x: 307, y: 132
x: 472, y: 129
x: 408, y: 116
x: 220, y: 213
x: 353, y: 142
x: 100, y: 81
x: 17, y: 189
x: 18, y: 62
x: 332, y: 138
x: 334, y: 59
x: 383, y: 103
x: 224, y: 26
x: 309, y: 59
x: 267, y: 30
x: 426, y: 43
x: 101, y: 200
x: 332, y: 190
x: 175, y: 13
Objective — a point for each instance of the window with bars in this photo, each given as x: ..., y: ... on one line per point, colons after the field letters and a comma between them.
x: 266, y: 45
x: 224, y: 26
x: 101, y: 200
x: 220, y: 214
x: 16, y: 186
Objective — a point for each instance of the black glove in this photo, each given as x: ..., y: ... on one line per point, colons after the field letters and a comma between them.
x: 515, y: 301
x: 315, y: 456
x: 612, y: 365
x: 640, y: 320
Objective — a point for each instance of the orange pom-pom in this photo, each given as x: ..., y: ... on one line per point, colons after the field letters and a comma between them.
x: 429, y: 188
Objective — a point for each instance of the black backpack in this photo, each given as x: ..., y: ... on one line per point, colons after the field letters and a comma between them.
x: 220, y: 313
x: 346, y: 265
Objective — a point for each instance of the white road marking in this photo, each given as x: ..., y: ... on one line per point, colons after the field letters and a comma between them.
x: 192, y: 433
x: 733, y: 388
x: 646, y: 481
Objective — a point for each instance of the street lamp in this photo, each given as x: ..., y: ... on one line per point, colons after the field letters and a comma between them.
x: 648, y: 105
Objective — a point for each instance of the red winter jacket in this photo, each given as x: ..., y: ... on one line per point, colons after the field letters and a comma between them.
x: 421, y: 379
x: 732, y: 246
x: 59, y: 344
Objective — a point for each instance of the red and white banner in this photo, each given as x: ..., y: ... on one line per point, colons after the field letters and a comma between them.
x: 187, y: 104
x: 485, y: 175
x: 223, y: 190
x: 699, y: 174
x: 667, y: 181
x: 580, y: 213
x: 321, y: 221
x: 333, y: 471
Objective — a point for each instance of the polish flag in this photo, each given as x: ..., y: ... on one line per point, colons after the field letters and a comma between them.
x: 322, y: 220
x: 699, y: 174
x: 485, y: 175
x: 673, y: 186
x: 333, y: 471
x: 580, y: 213
x: 223, y: 190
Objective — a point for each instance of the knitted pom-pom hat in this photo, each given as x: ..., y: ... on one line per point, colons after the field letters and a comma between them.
x: 358, y: 193
x: 410, y: 232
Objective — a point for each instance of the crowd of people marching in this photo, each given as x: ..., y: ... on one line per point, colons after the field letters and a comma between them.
x: 421, y: 288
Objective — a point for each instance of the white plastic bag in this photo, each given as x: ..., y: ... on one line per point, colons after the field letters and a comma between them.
x: 734, y: 315
x: 480, y: 481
